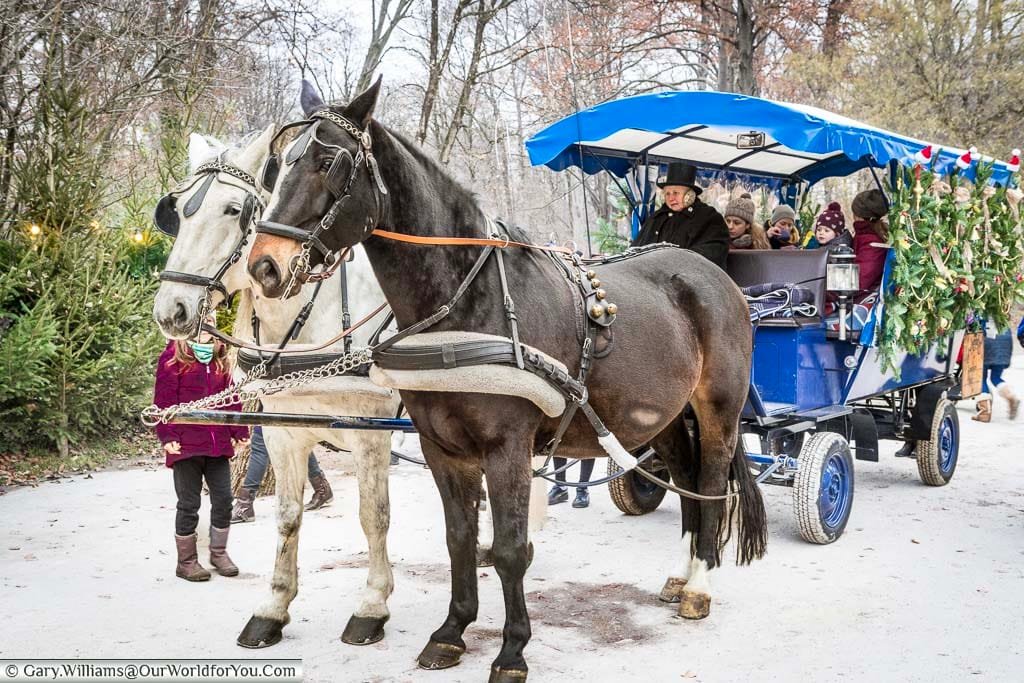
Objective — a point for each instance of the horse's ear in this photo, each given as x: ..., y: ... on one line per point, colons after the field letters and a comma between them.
x: 251, y: 158
x: 309, y: 98
x: 360, y: 110
x: 199, y: 150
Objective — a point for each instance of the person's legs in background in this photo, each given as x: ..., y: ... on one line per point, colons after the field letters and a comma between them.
x: 188, y: 485
x: 983, y: 403
x: 1004, y: 390
x: 322, y: 493
x: 558, y: 493
x: 257, y: 469
x: 582, y: 499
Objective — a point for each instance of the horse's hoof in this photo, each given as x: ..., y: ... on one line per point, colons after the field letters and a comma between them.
x: 364, y: 630
x: 438, y: 655
x: 694, y: 605
x: 260, y: 632
x: 672, y: 591
x: 484, y: 557
x: 500, y: 675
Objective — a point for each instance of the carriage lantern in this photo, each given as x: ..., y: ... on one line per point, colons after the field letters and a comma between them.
x: 842, y: 278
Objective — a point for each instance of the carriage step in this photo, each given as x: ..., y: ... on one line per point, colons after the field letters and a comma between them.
x: 774, y: 408
x: 826, y: 413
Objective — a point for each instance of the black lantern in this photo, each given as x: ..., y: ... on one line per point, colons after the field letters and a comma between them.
x: 842, y: 278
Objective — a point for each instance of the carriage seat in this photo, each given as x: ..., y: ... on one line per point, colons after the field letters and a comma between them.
x: 803, y: 267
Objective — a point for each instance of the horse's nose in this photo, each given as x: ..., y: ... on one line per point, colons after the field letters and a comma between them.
x: 267, y: 274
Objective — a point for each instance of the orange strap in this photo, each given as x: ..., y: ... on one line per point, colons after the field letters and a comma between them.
x: 463, y: 241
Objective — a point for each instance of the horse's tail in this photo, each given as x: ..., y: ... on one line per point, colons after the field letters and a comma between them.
x: 752, y: 526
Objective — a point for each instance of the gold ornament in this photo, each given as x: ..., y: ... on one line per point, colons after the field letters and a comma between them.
x: 612, y: 309
x: 597, y: 310
x: 595, y: 283
x: 600, y: 294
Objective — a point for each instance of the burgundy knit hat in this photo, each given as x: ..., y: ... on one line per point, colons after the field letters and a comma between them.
x: 832, y: 218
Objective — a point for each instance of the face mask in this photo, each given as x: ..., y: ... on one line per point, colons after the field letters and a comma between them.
x: 202, y: 352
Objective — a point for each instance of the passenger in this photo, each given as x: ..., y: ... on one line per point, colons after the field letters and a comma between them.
x: 781, y: 228
x: 870, y: 228
x: 739, y: 219
x: 684, y: 220
x: 830, y: 229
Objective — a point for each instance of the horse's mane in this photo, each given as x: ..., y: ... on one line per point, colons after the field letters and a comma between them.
x: 455, y: 191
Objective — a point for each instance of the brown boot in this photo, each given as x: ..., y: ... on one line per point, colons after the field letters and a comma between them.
x: 984, y: 411
x: 219, y: 552
x: 188, y: 560
x: 243, y: 510
x: 322, y: 493
x: 1014, y: 403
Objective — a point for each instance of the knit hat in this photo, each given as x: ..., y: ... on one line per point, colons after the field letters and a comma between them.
x: 742, y: 207
x: 870, y: 205
x: 781, y: 212
x: 832, y: 218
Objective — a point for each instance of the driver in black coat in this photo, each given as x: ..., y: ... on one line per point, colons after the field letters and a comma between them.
x: 684, y: 220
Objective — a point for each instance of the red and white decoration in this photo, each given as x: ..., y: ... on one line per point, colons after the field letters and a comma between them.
x: 925, y: 156
x: 963, y: 162
x: 1014, y: 162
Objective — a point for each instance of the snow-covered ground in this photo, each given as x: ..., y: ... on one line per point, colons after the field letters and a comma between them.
x: 927, y: 583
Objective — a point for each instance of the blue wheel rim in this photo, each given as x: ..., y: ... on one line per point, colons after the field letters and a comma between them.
x: 948, y: 443
x: 836, y: 492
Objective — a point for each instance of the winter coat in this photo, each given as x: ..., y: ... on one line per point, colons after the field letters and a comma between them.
x: 198, y: 381
x: 871, y: 259
x: 699, y: 228
x: 998, y: 349
x: 844, y: 238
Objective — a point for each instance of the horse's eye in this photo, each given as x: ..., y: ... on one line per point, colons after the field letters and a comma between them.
x: 325, y: 165
x: 232, y: 210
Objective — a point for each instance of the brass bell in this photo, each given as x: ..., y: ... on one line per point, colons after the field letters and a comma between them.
x: 595, y: 283
x: 600, y: 294
x: 597, y: 311
x: 612, y: 309
x: 591, y: 275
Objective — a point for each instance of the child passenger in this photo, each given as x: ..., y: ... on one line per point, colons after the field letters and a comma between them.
x: 830, y: 229
x: 739, y: 219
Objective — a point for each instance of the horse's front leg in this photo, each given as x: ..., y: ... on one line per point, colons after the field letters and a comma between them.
x: 373, y: 455
x: 508, y: 470
x: 458, y: 482
x: 289, y: 452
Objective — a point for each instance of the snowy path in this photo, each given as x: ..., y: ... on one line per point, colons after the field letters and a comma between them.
x: 926, y: 584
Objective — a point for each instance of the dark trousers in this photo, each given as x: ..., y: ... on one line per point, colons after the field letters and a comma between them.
x: 586, y: 469
x: 188, y: 484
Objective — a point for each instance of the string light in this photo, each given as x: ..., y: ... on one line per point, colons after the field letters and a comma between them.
x: 138, y: 236
x: 34, y: 229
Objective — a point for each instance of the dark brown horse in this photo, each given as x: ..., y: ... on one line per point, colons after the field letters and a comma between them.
x: 682, y: 337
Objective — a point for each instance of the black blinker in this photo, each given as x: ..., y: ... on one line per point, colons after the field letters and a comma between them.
x: 340, y: 173
x: 268, y: 177
x: 196, y: 201
x: 248, y: 208
x: 165, y: 216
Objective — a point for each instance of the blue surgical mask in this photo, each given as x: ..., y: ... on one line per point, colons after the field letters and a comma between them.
x: 202, y: 352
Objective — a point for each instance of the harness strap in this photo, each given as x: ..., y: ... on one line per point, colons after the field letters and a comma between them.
x: 510, y: 309
x: 282, y: 230
x: 462, y: 241
x: 441, y: 313
x: 242, y: 344
x: 196, y: 280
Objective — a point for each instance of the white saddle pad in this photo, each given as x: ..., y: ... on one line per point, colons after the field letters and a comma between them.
x: 506, y: 380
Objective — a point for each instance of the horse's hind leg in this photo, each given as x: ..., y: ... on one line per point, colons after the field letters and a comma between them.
x: 509, y: 473
x: 458, y: 482
x: 373, y: 456
x: 719, y: 431
x: 675, y: 448
x: 289, y: 451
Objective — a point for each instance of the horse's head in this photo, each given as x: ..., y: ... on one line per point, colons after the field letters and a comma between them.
x: 210, y: 215
x: 328, y: 193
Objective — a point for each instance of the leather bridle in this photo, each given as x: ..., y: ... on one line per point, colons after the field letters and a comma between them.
x: 165, y: 218
x: 339, y: 181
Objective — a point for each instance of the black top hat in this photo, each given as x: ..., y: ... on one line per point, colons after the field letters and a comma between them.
x: 680, y: 173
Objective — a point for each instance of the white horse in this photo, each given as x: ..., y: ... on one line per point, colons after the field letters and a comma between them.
x: 206, y: 238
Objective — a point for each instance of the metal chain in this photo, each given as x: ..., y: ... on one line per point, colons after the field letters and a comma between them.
x: 237, y: 394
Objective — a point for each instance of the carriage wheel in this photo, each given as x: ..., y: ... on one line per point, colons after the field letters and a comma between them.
x: 823, y: 488
x: 937, y: 458
x: 633, y: 494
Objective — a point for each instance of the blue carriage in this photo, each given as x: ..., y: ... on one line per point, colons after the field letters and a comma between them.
x: 819, y: 397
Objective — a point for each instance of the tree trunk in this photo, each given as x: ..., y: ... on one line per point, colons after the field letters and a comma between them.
x: 746, y: 81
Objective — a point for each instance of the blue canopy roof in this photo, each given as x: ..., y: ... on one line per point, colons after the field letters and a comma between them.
x: 800, y: 142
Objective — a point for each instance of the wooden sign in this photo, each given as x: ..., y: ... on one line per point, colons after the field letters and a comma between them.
x: 972, y: 369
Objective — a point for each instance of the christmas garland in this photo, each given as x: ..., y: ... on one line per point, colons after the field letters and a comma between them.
x: 959, y: 249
